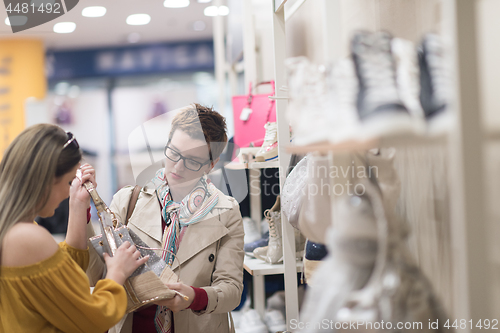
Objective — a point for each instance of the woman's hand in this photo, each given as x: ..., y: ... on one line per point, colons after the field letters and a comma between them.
x: 78, y: 193
x: 125, y: 261
x: 178, y: 303
x: 79, y: 202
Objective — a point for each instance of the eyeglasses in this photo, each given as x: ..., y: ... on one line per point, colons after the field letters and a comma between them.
x: 190, y: 164
x: 71, y: 140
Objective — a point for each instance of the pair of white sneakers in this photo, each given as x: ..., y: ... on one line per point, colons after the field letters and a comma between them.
x: 249, y: 321
x: 382, y: 90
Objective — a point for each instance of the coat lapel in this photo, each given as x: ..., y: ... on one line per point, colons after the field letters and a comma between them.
x: 147, y: 217
x: 198, y: 236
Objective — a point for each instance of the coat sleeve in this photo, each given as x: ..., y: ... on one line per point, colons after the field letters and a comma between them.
x: 96, y: 266
x: 224, y: 294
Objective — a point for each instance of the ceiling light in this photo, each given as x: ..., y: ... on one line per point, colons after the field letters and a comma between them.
x: 223, y: 11
x: 7, y: 21
x: 176, y: 3
x: 94, y: 11
x: 64, y: 27
x: 204, y: 1
x: 199, y: 26
x: 138, y: 19
x: 211, y: 11
x: 133, y: 37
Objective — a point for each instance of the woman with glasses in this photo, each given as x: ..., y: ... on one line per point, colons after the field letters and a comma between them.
x: 43, y: 286
x: 198, y: 229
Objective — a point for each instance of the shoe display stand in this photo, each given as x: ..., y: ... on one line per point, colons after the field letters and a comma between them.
x: 252, y: 165
x: 473, y: 280
x: 259, y: 269
x: 473, y: 275
x: 380, y: 142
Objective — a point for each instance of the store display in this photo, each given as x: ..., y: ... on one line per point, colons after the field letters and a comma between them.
x: 250, y: 113
x: 276, y: 302
x: 269, y: 148
x: 300, y: 241
x: 313, y: 254
x: 384, y: 89
x: 274, y: 320
x: 310, y: 93
x: 378, y: 103
x: 274, y: 252
x: 435, y: 83
x: 251, y: 232
x: 408, y: 80
x: 250, y: 322
x: 250, y: 247
x: 315, y: 214
x: 293, y: 192
x: 369, y: 275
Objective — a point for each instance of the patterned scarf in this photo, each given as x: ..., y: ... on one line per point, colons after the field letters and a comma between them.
x: 192, y: 209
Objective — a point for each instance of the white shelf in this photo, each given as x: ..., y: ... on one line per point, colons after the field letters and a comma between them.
x: 257, y: 267
x: 252, y: 165
x: 397, y: 141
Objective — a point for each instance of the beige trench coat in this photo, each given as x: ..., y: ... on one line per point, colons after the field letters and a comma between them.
x: 210, y: 254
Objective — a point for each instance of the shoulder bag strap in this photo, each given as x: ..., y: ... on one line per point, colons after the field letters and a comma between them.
x: 132, y: 202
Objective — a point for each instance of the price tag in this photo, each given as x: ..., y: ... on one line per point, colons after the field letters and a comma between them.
x: 245, y: 114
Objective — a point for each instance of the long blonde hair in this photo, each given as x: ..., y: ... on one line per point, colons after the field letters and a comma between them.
x: 28, y: 169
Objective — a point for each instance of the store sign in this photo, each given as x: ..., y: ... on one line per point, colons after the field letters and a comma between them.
x: 21, y: 77
x: 148, y: 59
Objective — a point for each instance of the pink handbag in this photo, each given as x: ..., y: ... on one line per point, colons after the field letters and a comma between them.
x: 251, y: 113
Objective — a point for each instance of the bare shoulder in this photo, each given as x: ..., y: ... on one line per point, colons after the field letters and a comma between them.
x: 26, y: 244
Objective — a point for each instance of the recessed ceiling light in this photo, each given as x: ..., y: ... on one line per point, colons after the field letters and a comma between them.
x: 211, y: 11
x: 64, y: 27
x: 199, y: 26
x: 223, y: 10
x: 94, y: 11
x: 7, y: 21
x: 176, y: 3
x: 204, y: 1
x: 138, y: 19
x: 133, y: 37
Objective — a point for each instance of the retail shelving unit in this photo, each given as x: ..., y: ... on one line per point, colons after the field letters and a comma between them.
x: 259, y: 269
x: 256, y: 267
x: 472, y: 281
x: 279, y: 55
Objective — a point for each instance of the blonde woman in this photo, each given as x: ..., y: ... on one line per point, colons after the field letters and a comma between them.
x: 43, y: 286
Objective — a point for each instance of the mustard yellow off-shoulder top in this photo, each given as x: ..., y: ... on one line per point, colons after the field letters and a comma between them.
x: 54, y: 296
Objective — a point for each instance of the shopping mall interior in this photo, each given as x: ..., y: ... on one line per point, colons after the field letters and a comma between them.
x: 327, y: 92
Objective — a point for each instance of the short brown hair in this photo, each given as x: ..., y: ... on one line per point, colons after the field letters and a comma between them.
x: 213, y: 127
